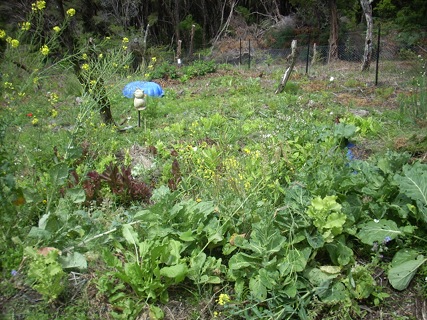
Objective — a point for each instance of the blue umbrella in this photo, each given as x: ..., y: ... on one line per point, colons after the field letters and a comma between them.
x: 150, y: 88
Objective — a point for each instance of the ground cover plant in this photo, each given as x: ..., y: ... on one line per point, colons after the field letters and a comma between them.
x: 229, y: 202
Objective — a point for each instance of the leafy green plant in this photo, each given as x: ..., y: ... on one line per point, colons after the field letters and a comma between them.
x: 403, y: 268
x: 45, y: 273
x: 413, y: 183
x: 327, y: 217
x: 159, y: 252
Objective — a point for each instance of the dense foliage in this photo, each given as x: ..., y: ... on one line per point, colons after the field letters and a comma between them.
x: 250, y: 204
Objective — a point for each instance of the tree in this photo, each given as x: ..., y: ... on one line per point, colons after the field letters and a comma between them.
x: 333, y: 34
x: 367, y: 55
x: 98, y: 93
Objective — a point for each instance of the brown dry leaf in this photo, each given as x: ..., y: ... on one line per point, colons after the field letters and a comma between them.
x: 233, y: 237
x: 44, y: 251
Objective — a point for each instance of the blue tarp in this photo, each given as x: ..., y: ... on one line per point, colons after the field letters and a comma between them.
x: 150, y: 88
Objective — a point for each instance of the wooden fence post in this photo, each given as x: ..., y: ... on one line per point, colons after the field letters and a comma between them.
x: 287, y: 74
x: 178, y: 53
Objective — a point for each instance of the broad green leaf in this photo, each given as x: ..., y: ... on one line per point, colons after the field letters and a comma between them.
x: 339, y: 252
x: 317, y: 277
x: 43, y: 220
x: 196, y: 263
x: 268, y: 279
x: 343, y: 130
x: 316, y: 240
x: 242, y: 260
x: 77, y: 195
x: 187, y: 236
x: 160, y: 193
x: 176, y: 272
x: 156, y: 313
x: 414, y: 185
x: 208, y: 279
x: 74, y: 260
x: 402, y: 271
x: 257, y: 288
x: 39, y: 233
x: 291, y: 289
x: 378, y: 230
x: 174, y: 252
x: 404, y: 255
x: 129, y: 234
x: 337, y: 292
x: 298, y: 258
x: 59, y: 174
x: 276, y: 242
x: 239, y: 287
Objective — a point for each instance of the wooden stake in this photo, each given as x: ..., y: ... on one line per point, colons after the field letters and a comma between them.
x: 287, y: 74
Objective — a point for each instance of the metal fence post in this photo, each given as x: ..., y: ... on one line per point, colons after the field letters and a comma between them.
x: 240, y: 52
x: 249, y: 61
x: 308, y: 55
x: 378, y: 54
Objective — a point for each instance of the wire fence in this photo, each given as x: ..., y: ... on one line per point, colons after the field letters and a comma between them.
x: 390, y: 61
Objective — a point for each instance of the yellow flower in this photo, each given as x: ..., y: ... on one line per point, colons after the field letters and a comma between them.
x: 85, y: 66
x: 71, y: 12
x: 36, y: 80
x: 26, y: 26
x: 38, y: 5
x: 35, y: 121
x: 2, y: 34
x: 125, y: 40
x: 41, y: 4
x: 54, y: 113
x: 154, y: 59
x: 53, y: 98
x: 44, y: 50
x: 56, y: 29
x: 223, y: 299
x: 125, y: 48
x: 84, y: 56
x: 92, y: 82
x: 8, y: 85
x: 100, y: 56
x: 14, y: 43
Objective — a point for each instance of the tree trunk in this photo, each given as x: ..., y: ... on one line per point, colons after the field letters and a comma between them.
x: 333, y: 35
x: 177, y: 20
x: 288, y: 71
x: 367, y: 56
x: 233, y: 3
